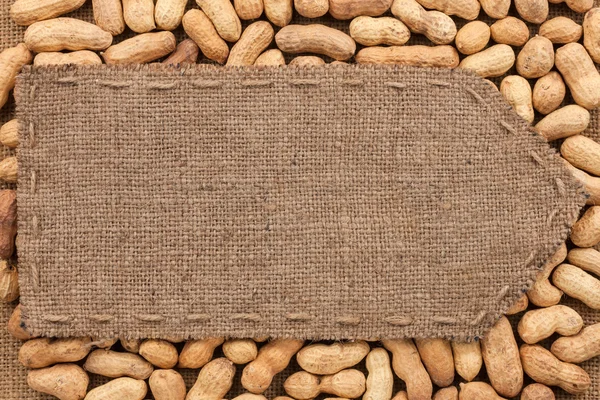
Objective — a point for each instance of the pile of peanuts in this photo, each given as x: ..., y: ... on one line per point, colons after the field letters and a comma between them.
x: 559, y: 60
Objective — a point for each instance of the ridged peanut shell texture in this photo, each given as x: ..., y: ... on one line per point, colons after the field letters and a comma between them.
x: 66, y: 34
x: 26, y: 12
x: 315, y: 38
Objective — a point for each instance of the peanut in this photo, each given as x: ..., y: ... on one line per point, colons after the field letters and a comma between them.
x: 542, y: 323
x: 8, y: 231
x: 435, y: 25
x: 159, y: 353
x: 578, y: 284
x: 537, y: 391
x: 199, y: 28
x: 26, y: 12
x: 108, y: 15
x: 466, y: 9
x: 272, y: 358
x: 348, y: 9
x: 115, y: 365
x: 407, y: 365
x: 449, y: 393
x: 322, y: 359
x: 9, y: 169
x: 16, y: 327
x: 120, y: 388
x: 380, y: 379
x: 131, y: 345
x: 583, y: 153
x: 536, y: 58
x: 273, y: 57
x: 214, y: 381
x: 9, y: 282
x: 240, y: 351
x: 467, y: 359
x: 501, y: 357
x: 196, y: 353
x: 579, y: 348
x: 549, y: 92
x: 248, y: 9
x: 66, y: 34
x: 473, y: 37
x: 517, y: 92
x: 591, y: 33
x: 564, y: 122
x: 478, y: 391
x: 255, y: 39
x: 11, y: 62
x: 349, y: 383
x: 64, y: 381
x: 579, y: 6
x: 370, y: 31
x: 436, y: 354
x: 81, y: 57
x: 9, y: 134
x: 251, y: 396
x: 510, y: 30
x: 141, y: 49
x: 315, y: 38
x: 543, y: 293
x: 561, y: 30
x: 520, y: 306
x: 303, y: 61
x: 580, y: 74
x: 103, y: 343
x: 302, y: 385
x: 586, y: 259
x: 586, y: 231
x: 168, y: 13
x: 279, y: 12
x: 311, y: 8
x: 543, y: 367
x: 496, y: 9
x: 43, y: 352
x: 534, y: 11
x: 418, y: 56
x: 139, y: 15
x: 591, y: 184
x: 402, y: 395
x: 223, y: 16
x: 492, y: 62
x: 186, y: 53
x: 167, y: 384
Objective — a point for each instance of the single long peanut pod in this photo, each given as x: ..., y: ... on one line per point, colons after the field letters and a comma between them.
x: 534, y: 11
x: 510, y: 30
x: 407, y: 365
x: 168, y: 13
x: 186, y: 53
x: 543, y: 367
x: 202, y: 31
x: 254, y: 40
x: 9, y: 134
x: 315, y: 38
x: 43, y: 352
x: 196, y: 353
x: 537, y: 391
x: 240, y: 351
x: 520, y: 306
x: 81, y: 57
x: 311, y: 8
x: 448, y: 393
x: 115, y: 365
x: 66, y: 34
x: 9, y: 170
x: 11, y: 62
x: 536, y: 58
x: 302, y: 385
x: 473, y: 37
x: 586, y: 231
x: 120, y: 388
x: 279, y: 12
x: 580, y: 74
x: 167, y: 384
x: 580, y: 6
x: 9, y: 282
x: 582, y: 152
x: 543, y: 293
x: 131, y: 345
x: 65, y: 381
x: 141, y: 49
x: 496, y: 9
x: 517, y: 92
x: 108, y: 15
x: 591, y: 33
x: 466, y: 9
x: 159, y: 353
x: 492, y: 62
x: 578, y: 284
x: 542, y: 323
x: 26, y: 12
x: 273, y: 57
x: 478, y: 391
x: 371, y: 31
x: 16, y: 327
x: 304, y: 61
x: 272, y: 358
x: 501, y: 357
x: 579, y: 348
x: 561, y: 30
x: 8, y: 231
x: 139, y: 15
x: 223, y: 16
x: 586, y: 259
x: 436, y: 354
x: 467, y: 359
x: 418, y: 56
x: 322, y: 359
x: 564, y: 122
x: 348, y: 9
x: 435, y: 25
x: 549, y: 92
x: 348, y: 384
x: 380, y: 379
x: 248, y: 9
x: 214, y: 381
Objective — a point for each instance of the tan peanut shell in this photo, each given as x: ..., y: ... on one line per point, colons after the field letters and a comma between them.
x: 407, y: 364
x: 240, y: 351
x: 591, y: 33
x: 380, y: 378
x: 105, y: 343
x: 120, y: 388
x: 252, y: 396
x: 214, y: 381
x: 141, y: 49
x: 11, y: 62
x: 517, y: 92
x: 16, y: 327
x: 467, y: 359
x: 167, y: 384
x: 586, y: 259
x: 586, y: 231
x: 534, y: 11
x: 64, y: 381
x: 108, y: 15
x: 248, y: 9
x: 81, y: 57
x: 473, y: 37
x: 511, y: 31
x: 9, y: 169
x: 561, y: 30
x: 349, y: 383
x: 418, y: 56
x: 196, y: 353
x: 401, y: 395
x: 187, y: 52
x: 496, y: 9
x: 272, y: 57
x: 115, y: 364
x: 448, y: 393
x: 223, y: 16
x: 520, y: 306
x: 582, y: 152
x: 131, y: 345
x: 436, y: 355
x: 303, y: 61
x: 536, y: 58
x: 302, y: 385
x: 492, y: 62
x: 591, y: 184
x: 279, y: 12
x: 322, y: 359
x: 543, y: 367
x: 8, y: 231
x: 542, y: 323
x: 254, y: 40
x: 578, y: 284
x: 9, y: 134
x: 579, y: 348
x: 478, y: 391
x: 139, y: 15
x: 168, y: 13
x: 543, y: 293
x: 370, y: 31
x: 201, y: 30
x: 43, y: 352
x: 579, y: 6
x: 466, y: 9
x: 549, y: 92
x: 347, y: 9
x: 159, y: 353
x: 537, y: 391
x: 564, y: 122
x: 311, y: 8
x: 501, y: 357
x: 26, y: 12
x: 435, y: 25
x: 272, y: 358
x: 9, y: 282
x: 66, y: 34
x: 580, y: 74
x: 315, y: 38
